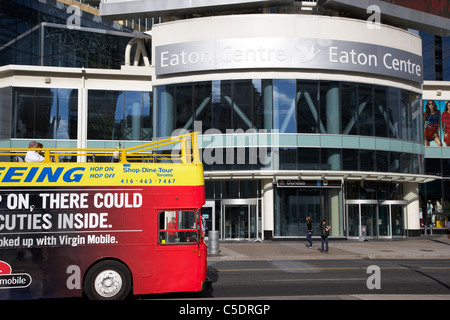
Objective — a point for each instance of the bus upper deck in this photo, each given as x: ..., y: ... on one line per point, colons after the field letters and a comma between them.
x: 156, y: 163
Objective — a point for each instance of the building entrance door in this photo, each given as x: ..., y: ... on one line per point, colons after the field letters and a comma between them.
x: 362, y: 218
x: 377, y: 218
x: 240, y: 219
x: 398, y: 224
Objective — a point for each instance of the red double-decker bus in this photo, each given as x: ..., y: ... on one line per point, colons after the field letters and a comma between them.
x: 114, y: 223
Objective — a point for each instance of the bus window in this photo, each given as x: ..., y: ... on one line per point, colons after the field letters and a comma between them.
x: 178, y: 227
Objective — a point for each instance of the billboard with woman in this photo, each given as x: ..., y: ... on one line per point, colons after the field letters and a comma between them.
x: 436, y: 118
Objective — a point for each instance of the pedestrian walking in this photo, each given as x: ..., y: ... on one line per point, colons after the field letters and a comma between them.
x: 325, y: 231
x: 309, y: 232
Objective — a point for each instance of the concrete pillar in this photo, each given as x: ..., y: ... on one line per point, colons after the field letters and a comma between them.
x: 333, y: 117
x: 165, y: 113
x: 268, y: 207
x: 411, y: 213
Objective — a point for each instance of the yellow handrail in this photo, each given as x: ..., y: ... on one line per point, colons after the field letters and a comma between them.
x: 186, y: 153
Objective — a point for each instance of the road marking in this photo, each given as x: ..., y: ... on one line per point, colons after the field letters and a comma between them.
x: 334, y: 268
x: 341, y: 279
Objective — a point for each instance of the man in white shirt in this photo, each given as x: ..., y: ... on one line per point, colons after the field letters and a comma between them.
x: 33, y: 156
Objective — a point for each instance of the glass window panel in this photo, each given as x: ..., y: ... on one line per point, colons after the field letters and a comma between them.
x: 353, y: 189
x: 405, y: 111
x: 394, y: 127
x: 249, y: 189
x: 445, y: 166
x: 78, y: 48
x: 331, y: 159
x: 147, y: 125
x: 309, y: 202
x: 23, y: 113
x: 433, y: 166
x: 183, y: 113
x: 349, y: 111
x: 133, y: 115
x: 365, y: 110
x: 178, y: 227
x: 257, y: 104
x: 209, y: 189
x: 267, y: 101
x: 67, y: 118
x: 417, y: 164
x: 230, y: 189
x: 292, y: 205
x: 242, y: 105
x: 166, y: 119
x: 288, y: 158
x: 353, y: 220
x: 446, y: 200
x: 102, y: 114
x: 286, y: 212
x: 308, y: 108
x: 202, y: 105
x: 308, y: 159
x: 6, y: 125
x: 407, y: 163
x: 382, y: 161
x: 300, y: 106
x: 367, y: 160
x: 395, y: 191
x: 330, y: 108
x: 416, y: 117
x: 350, y: 159
x: 395, y: 162
x: 45, y: 115
x: 381, y: 112
x: 241, y: 158
x: 221, y: 105
x: 284, y: 98
x: 119, y: 118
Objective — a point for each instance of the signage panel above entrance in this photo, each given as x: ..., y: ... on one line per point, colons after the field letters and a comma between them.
x: 292, y: 53
x: 309, y: 183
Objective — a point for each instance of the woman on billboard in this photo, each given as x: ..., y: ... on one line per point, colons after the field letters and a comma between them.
x: 445, y: 119
x: 431, y: 117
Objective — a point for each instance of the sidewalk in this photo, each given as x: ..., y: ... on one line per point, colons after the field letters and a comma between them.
x: 424, y: 247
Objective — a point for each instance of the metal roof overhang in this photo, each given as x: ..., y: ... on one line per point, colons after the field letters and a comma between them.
x: 132, y: 9
x: 319, y: 175
x: 393, y: 14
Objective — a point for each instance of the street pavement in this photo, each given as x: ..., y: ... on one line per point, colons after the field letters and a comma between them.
x: 423, y: 247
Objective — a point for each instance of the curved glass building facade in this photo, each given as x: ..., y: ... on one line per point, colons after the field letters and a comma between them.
x: 319, y: 125
x: 315, y: 126
x: 300, y: 116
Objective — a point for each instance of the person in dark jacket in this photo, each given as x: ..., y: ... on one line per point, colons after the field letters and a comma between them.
x: 324, y: 229
x: 309, y: 232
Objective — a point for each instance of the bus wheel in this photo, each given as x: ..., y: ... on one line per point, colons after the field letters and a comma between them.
x: 108, y: 280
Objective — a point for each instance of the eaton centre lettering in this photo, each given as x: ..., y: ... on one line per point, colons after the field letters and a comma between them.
x: 293, y: 53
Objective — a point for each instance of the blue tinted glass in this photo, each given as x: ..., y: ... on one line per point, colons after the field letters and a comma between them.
x: 284, y: 105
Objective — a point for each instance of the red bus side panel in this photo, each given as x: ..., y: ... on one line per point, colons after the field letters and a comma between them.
x: 49, y: 237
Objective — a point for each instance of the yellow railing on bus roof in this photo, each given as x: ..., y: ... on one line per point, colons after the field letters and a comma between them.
x: 178, y: 149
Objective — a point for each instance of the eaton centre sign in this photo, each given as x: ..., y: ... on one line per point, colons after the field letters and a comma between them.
x: 292, y: 53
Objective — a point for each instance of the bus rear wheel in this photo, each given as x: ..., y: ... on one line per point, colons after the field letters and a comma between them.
x: 108, y: 280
